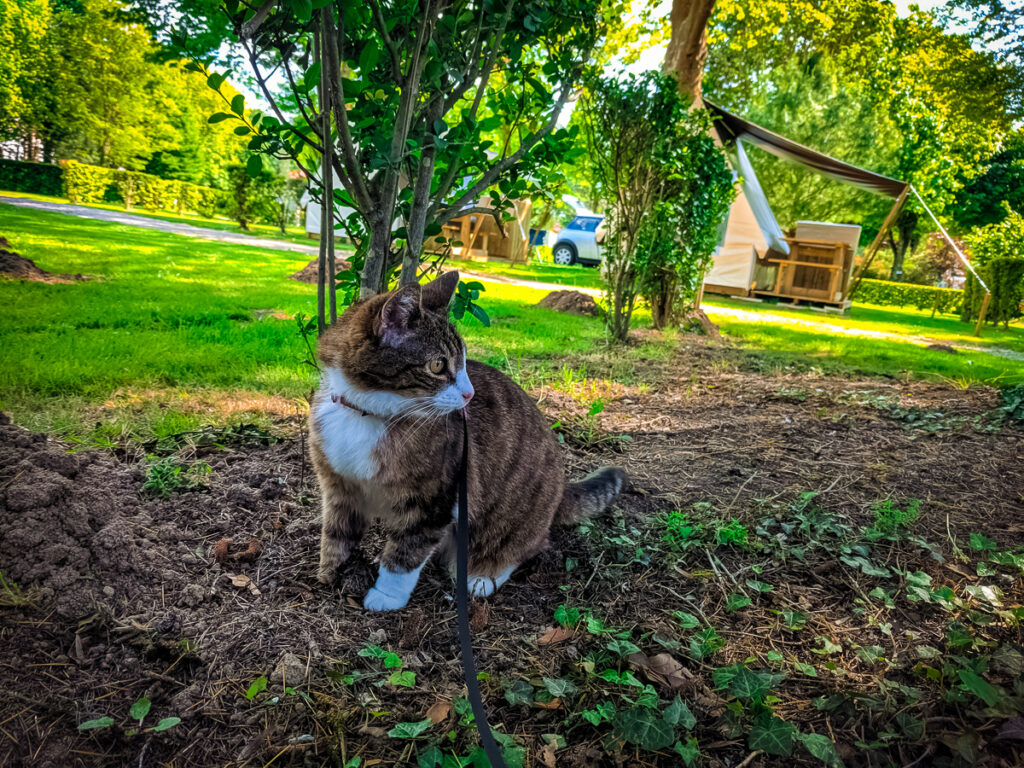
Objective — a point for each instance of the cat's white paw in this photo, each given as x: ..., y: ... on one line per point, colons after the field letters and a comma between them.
x: 376, y: 600
x: 481, y: 586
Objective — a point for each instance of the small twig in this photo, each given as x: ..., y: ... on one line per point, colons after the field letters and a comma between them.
x: 142, y: 754
x: 749, y: 758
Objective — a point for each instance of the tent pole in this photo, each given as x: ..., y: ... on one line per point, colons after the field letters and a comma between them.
x: 981, y: 315
x: 877, y: 242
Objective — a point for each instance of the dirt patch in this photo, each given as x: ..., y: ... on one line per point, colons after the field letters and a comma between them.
x: 188, y: 600
x: 17, y: 267
x: 308, y: 273
x: 571, y: 302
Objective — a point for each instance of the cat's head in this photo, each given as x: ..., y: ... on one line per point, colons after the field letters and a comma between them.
x: 398, y: 352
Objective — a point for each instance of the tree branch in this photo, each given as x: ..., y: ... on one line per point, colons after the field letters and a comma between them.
x: 393, y: 52
x: 248, y: 29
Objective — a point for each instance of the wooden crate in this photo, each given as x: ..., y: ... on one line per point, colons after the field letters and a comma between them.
x: 815, y: 270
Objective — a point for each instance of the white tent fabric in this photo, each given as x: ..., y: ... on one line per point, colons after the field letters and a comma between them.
x: 758, y: 202
x: 741, y: 244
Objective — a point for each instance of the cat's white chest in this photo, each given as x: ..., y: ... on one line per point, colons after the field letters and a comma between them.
x: 348, y: 439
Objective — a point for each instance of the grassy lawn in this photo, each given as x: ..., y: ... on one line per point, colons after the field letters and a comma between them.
x: 177, y: 332
x: 293, y: 235
x: 573, y: 277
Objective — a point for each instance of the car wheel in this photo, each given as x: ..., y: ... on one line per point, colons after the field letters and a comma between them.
x: 564, y: 254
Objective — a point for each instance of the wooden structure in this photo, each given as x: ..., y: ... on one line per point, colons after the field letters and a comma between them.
x: 482, y: 240
x: 817, y: 267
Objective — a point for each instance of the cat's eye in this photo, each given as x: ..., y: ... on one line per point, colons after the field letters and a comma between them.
x: 436, y: 366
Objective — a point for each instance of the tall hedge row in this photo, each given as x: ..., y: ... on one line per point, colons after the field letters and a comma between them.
x: 92, y: 184
x: 33, y: 178
x: 1005, y: 278
x: 887, y: 294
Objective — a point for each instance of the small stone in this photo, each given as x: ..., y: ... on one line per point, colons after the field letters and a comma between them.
x: 108, y: 591
x: 290, y: 671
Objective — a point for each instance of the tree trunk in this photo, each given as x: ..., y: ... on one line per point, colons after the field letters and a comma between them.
x: 905, y: 225
x: 374, y: 277
x: 688, y: 47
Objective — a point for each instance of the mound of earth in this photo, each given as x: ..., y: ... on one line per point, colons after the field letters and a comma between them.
x: 308, y: 273
x: 571, y: 302
x: 16, y: 266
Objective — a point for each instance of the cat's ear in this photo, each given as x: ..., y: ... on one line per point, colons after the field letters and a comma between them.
x: 399, y: 315
x: 437, y: 294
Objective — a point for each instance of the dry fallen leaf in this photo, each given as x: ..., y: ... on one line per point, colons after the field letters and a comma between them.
x: 555, y: 703
x: 241, y: 580
x: 662, y: 668
x: 547, y: 755
x: 555, y: 635
x: 439, y: 711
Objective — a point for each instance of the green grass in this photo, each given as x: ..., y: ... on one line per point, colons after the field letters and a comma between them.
x: 177, y: 332
x: 573, y: 277
x: 268, y: 231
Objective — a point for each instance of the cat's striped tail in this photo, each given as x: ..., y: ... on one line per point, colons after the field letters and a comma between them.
x: 590, y: 495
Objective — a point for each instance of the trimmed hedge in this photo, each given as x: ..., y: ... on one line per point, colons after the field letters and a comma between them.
x: 887, y: 294
x: 93, y: 184
x: 33, y: 178
x: 1005, y: 277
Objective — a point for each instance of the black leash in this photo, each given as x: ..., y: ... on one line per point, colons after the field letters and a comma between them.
x: 462, y: 605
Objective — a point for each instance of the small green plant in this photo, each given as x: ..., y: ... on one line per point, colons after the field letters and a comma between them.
x: 681, y: 533
x: 465, y: 301
x: 137, y: 714
x: 13, y: 596
x: 390, y: 671
x: 168, y: 475
x: 891, y: 521
x: 732, y: 534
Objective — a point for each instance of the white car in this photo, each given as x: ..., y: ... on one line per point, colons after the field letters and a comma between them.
x: 579, y: 241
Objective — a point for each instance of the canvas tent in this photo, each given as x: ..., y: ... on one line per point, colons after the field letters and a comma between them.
x: 754, y: 256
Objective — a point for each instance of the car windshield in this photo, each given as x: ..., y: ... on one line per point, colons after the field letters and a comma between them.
x: 585, y: 223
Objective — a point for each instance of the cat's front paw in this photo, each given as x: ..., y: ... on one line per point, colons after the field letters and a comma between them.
x: 376, y: 600
x: 481, y: 586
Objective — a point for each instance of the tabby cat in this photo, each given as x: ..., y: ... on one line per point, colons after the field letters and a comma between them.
x: 386, y: 437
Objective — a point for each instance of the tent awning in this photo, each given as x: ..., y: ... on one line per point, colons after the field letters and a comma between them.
x: 731, y: 128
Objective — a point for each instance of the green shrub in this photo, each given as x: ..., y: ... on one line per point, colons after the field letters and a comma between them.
x: 33, y: 178
x: 886, y: 294
x: 1005, y: 278
x: 92, y: 184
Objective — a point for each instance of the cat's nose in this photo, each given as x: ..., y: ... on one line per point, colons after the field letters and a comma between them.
x: 466, y: 397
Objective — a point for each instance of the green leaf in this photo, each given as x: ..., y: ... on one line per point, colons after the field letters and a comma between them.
x: 806, y: 669
x: 822, y: 748
x: 623, y: 647
x: 743, y: 683
x: 678, y: 713
x: 686, y: 620
x: 567, y: 617
x: 140, y: 709
x: 242, y: 130
x: 259, y: 684
x: 100, y: 722
x: 392, y: 661
x: 219, y: 117
x: 519, y: 692
x: 166, y: 723
x: 430, y: 758
x: 737, y: 601
x: 643, y: 727
x: 760, y: 586
x: 982, y: 543
x: 215, y: 80
x: 368, y: 57
x: 773, y: 735
x: 303, y: 10
x: 478, y: 312
x: 372, y: 652
x: 403, y: 677
x: 409, y: 730
x: 558, y: 687
x: 254, y: 166
x: 979, y: 687
x: 689, y: 752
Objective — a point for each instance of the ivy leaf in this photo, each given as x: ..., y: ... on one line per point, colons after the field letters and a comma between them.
x: 822, y: 748
x: 559, y: 688
x: 623, y: 647
x: 403, y: 677
x: 644, y: 728
x: 410, y: 730
x: 372, y: 652
x: 678, y: 713
x: 140, y: 709
x: 806, y: 669
x: 982, y: 543
x: 259, y: 684
x: 686, y: 620
x: 100, y: 722
x: 689, y: 751
x: 979, y: 686
x: 167, y: 722
x: 737, y: 601
x: 760, y: 586
x: 519, y: 692
x: 392, y: 661
x: 774, y: 736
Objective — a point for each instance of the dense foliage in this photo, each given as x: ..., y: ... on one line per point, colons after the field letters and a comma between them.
x: 93, y: 184
x: 885, y: 293
x: 1005, y: 280
x: 34, y: 178
x: 666, y: 188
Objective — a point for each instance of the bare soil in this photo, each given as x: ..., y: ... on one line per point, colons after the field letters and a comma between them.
x: 571, y: 303
x: 17, y: 267
x: 308, y: 273
x: 125, y: 595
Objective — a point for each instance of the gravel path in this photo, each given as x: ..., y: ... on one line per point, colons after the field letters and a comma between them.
x: 132, y: 220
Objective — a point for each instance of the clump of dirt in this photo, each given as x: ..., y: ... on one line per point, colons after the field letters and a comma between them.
x: 697, y: 321
x: 308, y: 273
x: 571, y: 302
x: 18, y: 267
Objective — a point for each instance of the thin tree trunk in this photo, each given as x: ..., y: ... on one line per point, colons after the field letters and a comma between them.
x: 325, y: 208
x: 374, y: 277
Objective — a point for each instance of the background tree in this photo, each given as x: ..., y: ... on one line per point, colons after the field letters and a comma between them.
x: 665, y: 187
